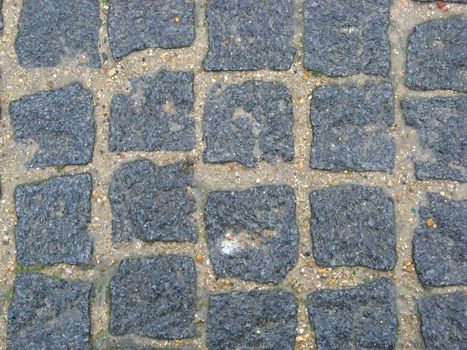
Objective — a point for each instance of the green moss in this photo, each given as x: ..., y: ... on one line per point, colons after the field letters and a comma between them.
x: 60, y: 168
x: 20, y: 269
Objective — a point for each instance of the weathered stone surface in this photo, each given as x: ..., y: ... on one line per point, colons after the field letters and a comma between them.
x: 351, y: 127
x: 436, y: 55
x: 140, y: 24
x: 251, y: 320
x: 353, y: 225
x: 1, y: 16
x: 54, y: 32
x: 440, y: 251
x: 153, y: 203
x: 156, y: 115
x: 60, y: 121
x: 441, y: 128
x: 53, y: 219
x: 347, y: 37
x: 47, y: 313
x: 359, y: 318
x: 154, y: 297
x: 457, y: 1
x: 444, y: 322
x: 249, y: 123
x: 252, y: 234
x: 249, y: 35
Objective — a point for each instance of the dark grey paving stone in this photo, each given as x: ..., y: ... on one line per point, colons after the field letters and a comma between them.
x: 444, y: 321
x: 251, y: 320
x: 153, y: 203
x: 141, y: 24
x: 441, y: 127
x: 252, y: 234
x: 353, y: 225
x: 436, y: 55
x: 156, y: 115
x: 347, y: 37
x: 47, y: 313
x: 440, y: 251
x: 53, y: 219
x: 351, y: 127
x: 154, y: 297
x: 53, y: 32
x: 359, y: 318
x: 249, y: 123
x: 249, y: 35
x: 60, y: 121
x: 1, y: 17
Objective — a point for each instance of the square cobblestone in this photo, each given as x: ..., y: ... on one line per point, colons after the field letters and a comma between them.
x: 351, y: 127
x: 252, y: 234
x: 156, y: 115
x: 249, y: 123
x: 440, y: 251
x: 249, y: 35
x: 347, y: 37
x: 140, y: 24
x: 353, y: 225
x: 359, y: 318
x: 47, y: 313
x: 436, y: 55
x: 55, y: 32
x: 441, y: 127
x: 53, y: 219
x: 153, y: 203
x: 251, y: 320
x: 443, y: 319
x: 154, y: 297
x: 60, y: 121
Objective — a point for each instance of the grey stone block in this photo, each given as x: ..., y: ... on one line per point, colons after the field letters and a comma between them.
x: 53, y: 219
x: 359, y: 318
x: 156, y: 115
x: 347, y: 37
x: 249, y: 123
x: 1, y: 17
x: 353, y: 225
x: 249, y: 35
x: 440, y: 251
x: 351, y: 127
x: 154, y: 297
x: 441, y: 126
x: 252, y: 234
x: 60, y: 121
x: 140, y: 24
x: 251, y: 320
x: 54, y: 32
x: 436, y: 55
x: 49, y: 314
x: 153, y: 203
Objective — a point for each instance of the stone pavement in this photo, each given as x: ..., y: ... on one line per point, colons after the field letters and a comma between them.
x: 233, y: 174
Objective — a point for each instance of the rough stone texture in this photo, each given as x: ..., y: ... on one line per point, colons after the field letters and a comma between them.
x: 156, y: 115
x: 53, y: 219
x: 359, y: 318
x: 441, y: 126
x: 47, y: 313
x: 251, y: 320
x: 60, y: 121
x: 252, y: 234
x: 456, y: 1
x: 1, y: 17
x: 53, y: 32
x: 353, y: 225
x: 140, y: 24
x: 154, y: 297
x: 351, y: 127
x: 249, y: 35
x: 436, y: 55
x: 153, y: 203
x: 249, y: 123
x: 440, y: 253
x: 444, y: 322
x: 347, y: 37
